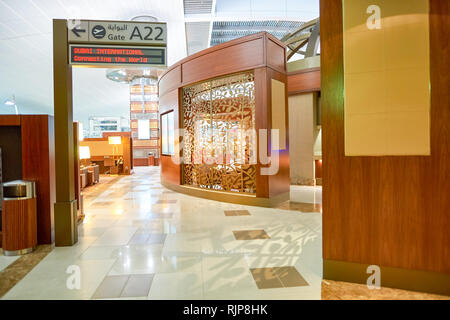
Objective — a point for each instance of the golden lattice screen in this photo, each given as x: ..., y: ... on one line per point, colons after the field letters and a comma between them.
x: 219, y: 149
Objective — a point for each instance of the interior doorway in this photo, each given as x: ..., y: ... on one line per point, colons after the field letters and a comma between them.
x: 110, y: 45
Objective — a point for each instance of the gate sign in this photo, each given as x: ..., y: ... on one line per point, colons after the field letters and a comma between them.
x: 117, y: 32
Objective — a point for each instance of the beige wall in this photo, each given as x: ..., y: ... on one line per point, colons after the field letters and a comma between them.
x: 302, y: 137
x: 387, y: 78
x: 102, y: 148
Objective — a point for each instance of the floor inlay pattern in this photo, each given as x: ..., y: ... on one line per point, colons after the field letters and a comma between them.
x: 250, y: 234
x: 278, y: 277
x: 230, y: 213
x: 22, y: 265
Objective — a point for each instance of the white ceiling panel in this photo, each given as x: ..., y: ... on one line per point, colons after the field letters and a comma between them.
x: 197, y: 34
x: 296, y: 10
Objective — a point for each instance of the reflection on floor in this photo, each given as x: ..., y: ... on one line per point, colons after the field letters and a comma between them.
x: 304, y: 199
x: 5, y: 261
x: 142, y: 241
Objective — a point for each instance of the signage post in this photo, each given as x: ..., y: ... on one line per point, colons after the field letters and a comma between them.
x: 98, y: 44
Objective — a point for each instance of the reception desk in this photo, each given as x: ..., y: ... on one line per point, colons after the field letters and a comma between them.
x: 224, y: 123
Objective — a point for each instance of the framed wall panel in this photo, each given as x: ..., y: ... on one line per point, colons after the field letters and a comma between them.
x: 167, y: 134
x: 386, y: 77
x: 279, y: 111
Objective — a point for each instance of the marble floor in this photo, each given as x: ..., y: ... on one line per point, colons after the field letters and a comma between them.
x: 140, y: 240
x: 5, y: 261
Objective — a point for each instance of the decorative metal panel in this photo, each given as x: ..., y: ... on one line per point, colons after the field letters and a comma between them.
x: 219, y: 143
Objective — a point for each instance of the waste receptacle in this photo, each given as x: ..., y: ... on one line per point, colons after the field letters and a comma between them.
x: 19, y: 217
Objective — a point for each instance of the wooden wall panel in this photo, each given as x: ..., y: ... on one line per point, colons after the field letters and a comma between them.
x: 140, y: 162
x: 235, y: 58
x: 390, y: 211
x: 126, y: 142
x: 11, y: 145
x: 276, y: 56
x: 172, y: 80
x: 38, y: 165
x: 262, y: 122
x: 280, y: 182
x: 9, y: 120
x: 170, y: 171
x: 302, y: 81
x: 76, y: 160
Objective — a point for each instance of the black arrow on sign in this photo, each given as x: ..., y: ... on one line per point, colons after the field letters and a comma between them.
x: 76, y: 31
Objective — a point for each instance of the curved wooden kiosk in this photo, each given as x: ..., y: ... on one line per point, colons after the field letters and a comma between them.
x: 224, y: 123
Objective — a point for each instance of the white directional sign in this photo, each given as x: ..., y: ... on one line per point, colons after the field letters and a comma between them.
x: 117, y: 32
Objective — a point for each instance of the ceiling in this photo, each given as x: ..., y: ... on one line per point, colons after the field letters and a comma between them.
x: 26, y: 52
x: 26, y: 42
x: 223, y: 31
x: 230, y: 19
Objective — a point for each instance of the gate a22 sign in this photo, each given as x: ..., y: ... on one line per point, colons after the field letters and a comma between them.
x: 115, y: 32
x: 136, y: 34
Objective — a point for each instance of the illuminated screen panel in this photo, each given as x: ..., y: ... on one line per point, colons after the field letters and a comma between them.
x: 167, y: 134
x: 143, y: 129
x: 117, y: 55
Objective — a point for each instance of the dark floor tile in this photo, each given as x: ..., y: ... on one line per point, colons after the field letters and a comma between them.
x: 111, y: 287
x: 137, y: 286
x: 166, y: 201
x: 161, y: 215
x: 139, y: 238
x: 156, y: 238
